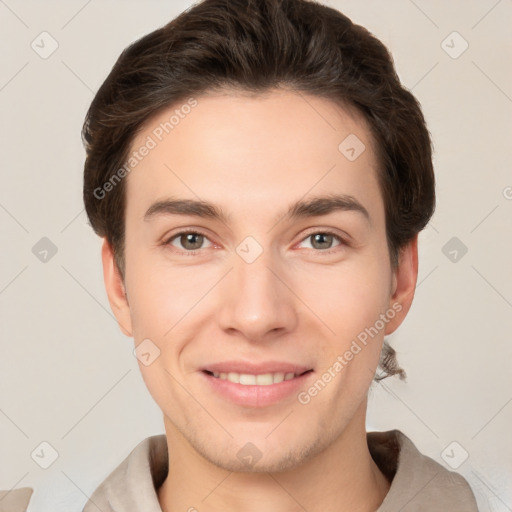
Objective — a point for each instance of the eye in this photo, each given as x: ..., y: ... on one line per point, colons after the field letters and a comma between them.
x: 323, y: 240
x: 190, y: 241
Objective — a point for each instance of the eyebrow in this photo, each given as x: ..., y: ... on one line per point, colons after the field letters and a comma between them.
x: 312, y: 207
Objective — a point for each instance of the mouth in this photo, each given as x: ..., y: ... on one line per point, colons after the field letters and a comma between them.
x: 255, y: 386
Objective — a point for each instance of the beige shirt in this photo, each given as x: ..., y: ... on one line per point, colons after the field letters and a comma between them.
x: 418, y: 483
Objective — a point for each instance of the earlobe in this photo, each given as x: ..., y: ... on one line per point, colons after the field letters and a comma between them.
x: 404, y: 284
x: 115, y: 289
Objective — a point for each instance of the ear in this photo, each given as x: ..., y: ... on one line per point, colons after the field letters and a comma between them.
x: 115, y: 289
x: 403, y: 284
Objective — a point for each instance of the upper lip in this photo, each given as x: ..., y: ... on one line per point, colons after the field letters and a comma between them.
x: 256, y: 368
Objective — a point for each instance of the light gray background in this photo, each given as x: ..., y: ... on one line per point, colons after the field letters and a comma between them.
x: 69, y: 377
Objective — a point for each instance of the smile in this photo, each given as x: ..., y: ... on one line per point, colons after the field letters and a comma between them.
x: 256, y: 387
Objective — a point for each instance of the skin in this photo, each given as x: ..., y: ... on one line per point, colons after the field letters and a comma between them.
x: 253, y: 157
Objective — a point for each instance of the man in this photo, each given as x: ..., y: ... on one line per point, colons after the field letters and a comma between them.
x: 260, y: 177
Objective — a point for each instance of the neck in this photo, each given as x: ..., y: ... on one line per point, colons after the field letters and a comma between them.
x: 342, y: 478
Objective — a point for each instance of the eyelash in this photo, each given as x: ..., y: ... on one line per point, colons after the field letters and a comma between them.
x: 341, y: 240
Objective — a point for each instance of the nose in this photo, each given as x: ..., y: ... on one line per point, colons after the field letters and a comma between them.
x: 255, y: 300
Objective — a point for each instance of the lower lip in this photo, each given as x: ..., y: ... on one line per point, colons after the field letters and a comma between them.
x: 257, y: 396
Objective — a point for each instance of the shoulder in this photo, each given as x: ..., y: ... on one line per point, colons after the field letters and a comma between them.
x: 418, y: 483
x: 132, y: 485
x: 16, y: 500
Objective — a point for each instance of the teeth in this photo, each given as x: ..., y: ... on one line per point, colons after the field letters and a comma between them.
x: 262, y: 380
x: 278, y: 377
x: 247, y: 379
x: 234, y: 377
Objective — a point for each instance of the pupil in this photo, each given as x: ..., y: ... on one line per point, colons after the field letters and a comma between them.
x: 322, y: 238
x: 194, y: 239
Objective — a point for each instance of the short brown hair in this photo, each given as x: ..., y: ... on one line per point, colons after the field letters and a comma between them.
x: 255, y: 46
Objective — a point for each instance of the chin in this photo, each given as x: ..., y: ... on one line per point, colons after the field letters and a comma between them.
x: 259, y: 455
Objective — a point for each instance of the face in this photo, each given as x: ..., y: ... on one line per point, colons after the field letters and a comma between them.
x: 258, y: 276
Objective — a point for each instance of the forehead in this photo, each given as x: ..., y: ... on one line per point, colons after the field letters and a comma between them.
x: 253, y: 150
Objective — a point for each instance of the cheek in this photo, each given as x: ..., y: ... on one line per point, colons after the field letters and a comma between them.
x: 160, y: 298
x: 347, y: 298
x: 162, y: 301
x: 169, y: 303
